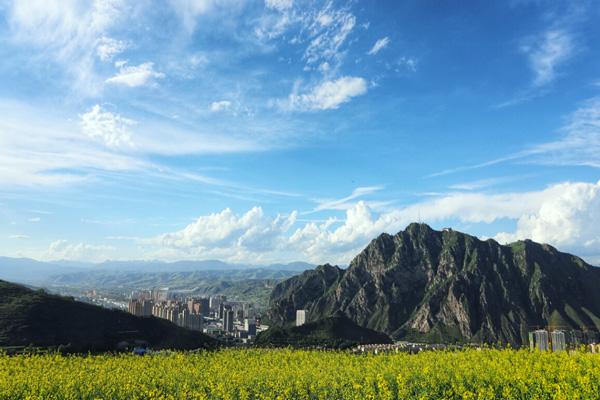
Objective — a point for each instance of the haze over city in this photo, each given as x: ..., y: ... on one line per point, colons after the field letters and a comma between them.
x: 278, y: 131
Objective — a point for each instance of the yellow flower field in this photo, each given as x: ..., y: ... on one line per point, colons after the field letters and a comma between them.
x: 298, y: 374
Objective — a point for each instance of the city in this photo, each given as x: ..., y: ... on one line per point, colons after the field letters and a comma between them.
x: 232, y: 322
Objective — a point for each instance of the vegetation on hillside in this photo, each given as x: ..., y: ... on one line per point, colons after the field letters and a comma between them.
x: 333, y: 332
x: 38, y: 319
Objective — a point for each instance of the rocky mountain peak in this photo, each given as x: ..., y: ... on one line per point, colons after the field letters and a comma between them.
x: 448, y: 285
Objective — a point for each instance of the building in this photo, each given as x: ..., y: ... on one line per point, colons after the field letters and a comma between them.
x: 228, y: 320
x: 216, y: 301
x: 300, y: 317
x: 250, y: 326
x: 140, y: 308
x: 539, y: 340
x: 559, y: 342
x: 204, y: 307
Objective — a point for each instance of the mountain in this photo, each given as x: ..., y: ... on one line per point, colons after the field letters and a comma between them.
x: 445, y: 286
x: 29, y: 317
x: 336, y: 331
x: 24, y: 270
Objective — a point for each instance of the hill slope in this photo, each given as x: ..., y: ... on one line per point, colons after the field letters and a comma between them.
x: 423, y: 284
x: 43, y: 320
x: 335, y: 331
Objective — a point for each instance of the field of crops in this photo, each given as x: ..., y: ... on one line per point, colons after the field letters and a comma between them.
x: 296, y: 374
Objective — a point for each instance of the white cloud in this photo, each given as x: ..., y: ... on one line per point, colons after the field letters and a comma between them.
x: 379, y: 45
x: 135, y: 76
x: 18, y: 237
x: 578, y: 146
x: 66, y: 32
x: 220, y: 106
x: 569, y: 218
x: 229, y: 236
x: 107, y: 127
x: 64, y: 250
x: 39, y: 147
x: 34, y: 219
x: 190, y: 10
x: 108, y: 47
x: 328, y: 31
x: 327, y: 95
x: 347, y: 202
x: 280, y: 5
x: 407, y: 63
x: 563, y: 215
x: 547, y: 53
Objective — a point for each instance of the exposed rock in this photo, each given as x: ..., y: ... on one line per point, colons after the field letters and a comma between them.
x: 429, y: 285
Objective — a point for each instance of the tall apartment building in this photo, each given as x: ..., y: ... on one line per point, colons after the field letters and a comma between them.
x: 300, y: 317
x: 228, y: 320
x: 250, y: 326
x: 559, y: 342
x: 540, y: 340
x: 140, y: 308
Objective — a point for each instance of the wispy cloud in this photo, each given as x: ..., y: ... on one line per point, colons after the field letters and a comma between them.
x: 578, y: 146
x: 220, y: 105
x: 547, y: 52
x: 327, y: 95
x: 69, y: 34
x: 347, y: 202
x: 135, y: 75
x: 379, y: 45
x: 18, y: 237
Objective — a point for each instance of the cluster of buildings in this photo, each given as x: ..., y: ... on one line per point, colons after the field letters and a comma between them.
x: 559, y: 340
x: 215, y: 316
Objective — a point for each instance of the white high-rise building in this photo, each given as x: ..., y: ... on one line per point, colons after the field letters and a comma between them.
x: 300, y: 317
x: 541, y: 340
x: 559, y: 342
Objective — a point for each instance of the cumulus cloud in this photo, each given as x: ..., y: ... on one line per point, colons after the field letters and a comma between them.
x: 220, y: 105
x: 107, y: 127
x: 570, y: 217
x: 327, y: 95
x: 564, y: 215
x: 65, y: 250
x: 135, y: 76
x: 547, y: 52
x: 229, y: 236
x: 379, y: 45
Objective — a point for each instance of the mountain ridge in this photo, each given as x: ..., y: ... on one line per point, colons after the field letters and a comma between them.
x: 445, y: 285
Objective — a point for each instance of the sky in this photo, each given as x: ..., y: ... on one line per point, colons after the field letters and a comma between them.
x: 285, y: 130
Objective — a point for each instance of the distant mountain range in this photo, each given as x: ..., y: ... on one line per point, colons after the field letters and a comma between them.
x: 36, y: 318
x: 446, y: 286
x: 24, y: 270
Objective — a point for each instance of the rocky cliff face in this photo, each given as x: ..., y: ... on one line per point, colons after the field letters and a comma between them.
x: 423, y: 284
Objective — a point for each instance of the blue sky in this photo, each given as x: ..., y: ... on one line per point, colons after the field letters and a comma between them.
x: 283, y: 130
